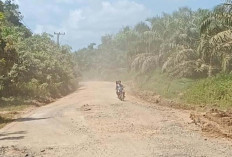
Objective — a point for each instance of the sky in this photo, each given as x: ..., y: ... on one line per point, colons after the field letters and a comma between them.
x: 85, y: 21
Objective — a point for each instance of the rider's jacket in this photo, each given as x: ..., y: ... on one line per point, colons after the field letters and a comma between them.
x: 119, y: 86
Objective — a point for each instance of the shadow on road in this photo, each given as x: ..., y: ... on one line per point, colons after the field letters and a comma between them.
x: 18, y: 135
x: 13, y: 133
x: 29, y: 119
x: 8, y: 120
x: 12, y: 138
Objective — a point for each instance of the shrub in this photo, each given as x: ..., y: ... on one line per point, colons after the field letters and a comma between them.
x: 215, y: 91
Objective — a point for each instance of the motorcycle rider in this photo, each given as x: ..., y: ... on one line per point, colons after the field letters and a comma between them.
x: 118, y: 86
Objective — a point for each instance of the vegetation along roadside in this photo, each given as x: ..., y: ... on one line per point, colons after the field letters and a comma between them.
x: 33, y: 69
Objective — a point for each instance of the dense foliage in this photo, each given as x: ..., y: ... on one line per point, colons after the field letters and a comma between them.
x: 186, y: 43
x: 31, y: 66
x: 214, y: 90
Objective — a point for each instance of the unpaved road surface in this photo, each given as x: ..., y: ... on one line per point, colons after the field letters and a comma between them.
x: 92, y: 122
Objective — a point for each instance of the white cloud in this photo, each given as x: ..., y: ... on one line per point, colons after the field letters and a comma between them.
x: 75, y: 18
x: 90, y: 23
x: 84, y: 23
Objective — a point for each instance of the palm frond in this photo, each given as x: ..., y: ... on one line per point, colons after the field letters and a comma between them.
x: 205, y: 24
x: 221, y: 37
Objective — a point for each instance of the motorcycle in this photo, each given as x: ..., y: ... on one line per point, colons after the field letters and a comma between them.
x: 121, y: 94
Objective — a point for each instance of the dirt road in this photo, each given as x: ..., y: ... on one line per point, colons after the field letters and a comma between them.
x: 92, y: 122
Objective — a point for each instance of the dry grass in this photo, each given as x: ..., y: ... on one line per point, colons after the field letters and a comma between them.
x: 10, y: 108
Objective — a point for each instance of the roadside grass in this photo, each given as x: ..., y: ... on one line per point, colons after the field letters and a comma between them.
x: 13, y: 104
x: 5, y: 120
x: 214, y: 92
x: 10, y: 108
x: 163, y: 85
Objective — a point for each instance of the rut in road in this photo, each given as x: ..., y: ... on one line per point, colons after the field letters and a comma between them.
x: 93, y: 122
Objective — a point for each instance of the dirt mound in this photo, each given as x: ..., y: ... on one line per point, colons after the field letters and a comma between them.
x: 215, y: 122
x: 86, y: 107
x: 153, y: 97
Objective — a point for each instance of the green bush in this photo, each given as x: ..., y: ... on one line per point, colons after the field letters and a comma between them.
x: 34, y: 67
x: 215, y: 91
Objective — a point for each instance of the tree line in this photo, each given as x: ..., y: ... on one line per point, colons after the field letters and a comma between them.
x: 185, y: 43
x: 31, y: 65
